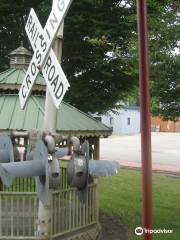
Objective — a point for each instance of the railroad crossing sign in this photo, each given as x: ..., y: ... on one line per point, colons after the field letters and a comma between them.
x: 44, y: 58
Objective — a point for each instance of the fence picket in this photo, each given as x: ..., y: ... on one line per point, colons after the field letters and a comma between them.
x: 19, y: 210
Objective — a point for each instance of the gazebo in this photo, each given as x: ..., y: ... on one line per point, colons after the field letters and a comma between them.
x: 70, y: 120
x: 70, y: 219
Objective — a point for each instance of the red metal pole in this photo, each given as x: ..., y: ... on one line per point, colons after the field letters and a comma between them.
x: 145, y: 116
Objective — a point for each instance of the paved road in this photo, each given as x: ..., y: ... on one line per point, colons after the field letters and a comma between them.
x: 127, y: 150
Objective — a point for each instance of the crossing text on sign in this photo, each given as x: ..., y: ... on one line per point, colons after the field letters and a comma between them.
x: 53, y: 73
x: 41, y: 41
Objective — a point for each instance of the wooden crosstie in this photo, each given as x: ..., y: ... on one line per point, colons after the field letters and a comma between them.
x: 44, y: 58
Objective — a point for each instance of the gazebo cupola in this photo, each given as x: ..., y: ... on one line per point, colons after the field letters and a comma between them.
x: 20, y: 58
x: 12, y: 78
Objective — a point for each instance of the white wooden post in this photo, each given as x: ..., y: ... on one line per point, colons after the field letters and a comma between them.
x: 50, y: 125
x: 97, y: 148
x: 50, y: 117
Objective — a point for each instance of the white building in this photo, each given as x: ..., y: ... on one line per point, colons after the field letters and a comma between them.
x: 126, y: 121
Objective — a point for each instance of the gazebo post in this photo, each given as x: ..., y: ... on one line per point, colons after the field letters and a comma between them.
x: 97, y: 148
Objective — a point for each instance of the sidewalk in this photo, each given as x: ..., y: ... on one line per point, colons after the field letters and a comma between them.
x: 155, y: 167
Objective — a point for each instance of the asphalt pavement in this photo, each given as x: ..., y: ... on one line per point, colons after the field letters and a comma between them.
x: 127, y: 151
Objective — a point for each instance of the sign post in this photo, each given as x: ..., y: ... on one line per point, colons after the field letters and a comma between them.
x: 50, y: 114
x: 50, y: 124
x: 145, y: 116
x: 44, y: 58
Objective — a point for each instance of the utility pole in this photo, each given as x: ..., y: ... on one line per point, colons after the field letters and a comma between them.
x: 145, y: 117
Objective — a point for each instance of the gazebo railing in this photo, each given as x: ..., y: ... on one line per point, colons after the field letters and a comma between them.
x: 27, y: 184
x: 19, y: 211
x: 18, y: 214
x: 69, y: 214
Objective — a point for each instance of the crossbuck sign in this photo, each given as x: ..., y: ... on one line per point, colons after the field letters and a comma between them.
x: 44, y: 58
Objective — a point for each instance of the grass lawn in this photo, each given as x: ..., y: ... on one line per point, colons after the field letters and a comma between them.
x: 121, y: 195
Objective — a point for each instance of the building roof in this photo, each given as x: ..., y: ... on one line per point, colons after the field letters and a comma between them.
x: 70, y: 120
x: 20, y: 51
x: 13, y: 78
x: 132, y: 108
x: 20, y: 58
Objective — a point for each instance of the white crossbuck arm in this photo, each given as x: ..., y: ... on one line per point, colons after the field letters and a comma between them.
x: 44, y: 57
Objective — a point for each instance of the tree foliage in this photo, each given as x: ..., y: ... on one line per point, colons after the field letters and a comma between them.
x: 164, y: 32
x: 13, y: 16
x: 96, y: 54
x: 166, y: 88
x: 100, y: 46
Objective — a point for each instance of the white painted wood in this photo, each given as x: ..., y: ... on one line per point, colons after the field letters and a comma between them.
x: 42, y: 41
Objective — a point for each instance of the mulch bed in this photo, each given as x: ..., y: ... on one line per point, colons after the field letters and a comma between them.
x: 112, y: 227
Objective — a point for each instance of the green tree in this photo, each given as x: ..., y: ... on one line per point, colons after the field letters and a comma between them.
x: 166, y: 88
x: 13, y: 15
x: 100, y: 45
x: 96, y: 54
x: 164, y: 32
